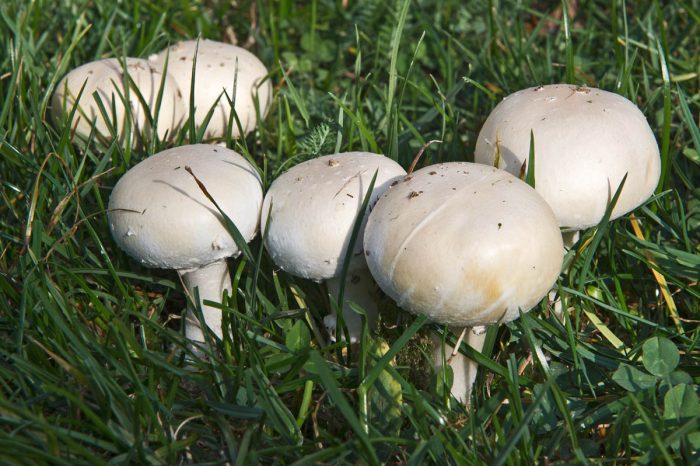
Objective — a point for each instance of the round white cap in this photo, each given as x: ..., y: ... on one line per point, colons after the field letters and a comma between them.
x: 586, y: 139
x: 107, y: 79
x: 313, y: 206
x: 160, y: 216
x: 463, y: 243
x: 218, y: 65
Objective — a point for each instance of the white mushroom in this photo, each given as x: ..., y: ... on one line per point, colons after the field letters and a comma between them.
x: 312, y: 209
x: 159, y: 215
x: 585, y: 141
x: 468, y: 246
x: 219, y: 68
x: 108, y: 80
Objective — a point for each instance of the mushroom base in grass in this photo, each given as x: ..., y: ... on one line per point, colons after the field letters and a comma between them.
x: 464, y: 370
x: 360, y: 290
x: 465, y: 244
x: 209, y: 282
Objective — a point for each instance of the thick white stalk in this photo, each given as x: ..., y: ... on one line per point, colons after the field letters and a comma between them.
x: 463, y: 369
x: 211, y: 281
x: 570, y: 238
x: 361, y: 289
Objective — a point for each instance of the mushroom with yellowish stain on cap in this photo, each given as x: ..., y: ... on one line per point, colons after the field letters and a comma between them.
x: 468, y: 246
x: 161, y: 217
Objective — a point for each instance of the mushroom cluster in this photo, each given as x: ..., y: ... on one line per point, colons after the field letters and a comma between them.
x: 466, y: 244
x: 115, y: 98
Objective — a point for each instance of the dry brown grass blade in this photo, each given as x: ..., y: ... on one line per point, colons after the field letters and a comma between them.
x: 660, y: 279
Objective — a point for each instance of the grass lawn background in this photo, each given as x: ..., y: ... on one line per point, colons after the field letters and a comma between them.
x: 92, y: 367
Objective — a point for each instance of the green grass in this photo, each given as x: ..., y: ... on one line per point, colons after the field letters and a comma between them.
x: 92, y: 367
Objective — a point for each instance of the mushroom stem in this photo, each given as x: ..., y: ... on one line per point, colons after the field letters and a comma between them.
x: 463, y: 369
x: 211, y: 281
x: 570, y: 238
x: 360, y: 289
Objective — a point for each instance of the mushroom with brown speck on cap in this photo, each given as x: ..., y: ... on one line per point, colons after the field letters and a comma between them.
x: 220, y: 69
x: 312, y: 210
x: 475, y: 248
x: 585, y: 139
x: 109, y: 79
x: 160, y: 216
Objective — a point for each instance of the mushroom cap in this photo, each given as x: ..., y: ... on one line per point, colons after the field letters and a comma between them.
x: 158, y: 214
x: 107, y: 78
x: 218, y: 65
x: 463, y: 243
x: 586, y: 140
x: 312, y: 210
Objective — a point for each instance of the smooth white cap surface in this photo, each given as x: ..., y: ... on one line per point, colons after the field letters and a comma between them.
x: 463, y: 243
x: 107, y: 79
x: 218, y: 65
x: 159, y: 215
x: 313, y: 207
x: 586, y: 139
